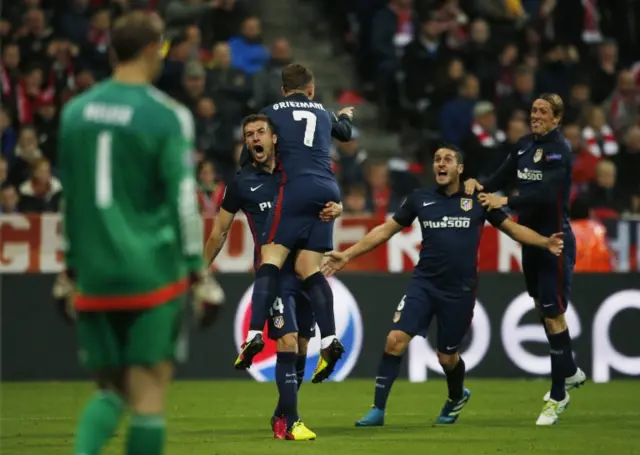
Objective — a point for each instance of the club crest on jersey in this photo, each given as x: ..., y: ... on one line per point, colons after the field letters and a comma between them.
x: 466, y: 204
x: 278, y: 322
x: 537, y: 156
x: 396, y: 316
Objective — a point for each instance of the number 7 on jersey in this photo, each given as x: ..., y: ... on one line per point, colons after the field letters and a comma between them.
x: 310, y: 128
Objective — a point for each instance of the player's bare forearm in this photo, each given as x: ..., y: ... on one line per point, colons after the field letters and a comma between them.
x: 374, y: 238
x: 218, y: 237
x: 523, y: 234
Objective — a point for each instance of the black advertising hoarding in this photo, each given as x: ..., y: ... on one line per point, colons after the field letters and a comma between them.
x: 506, y: 341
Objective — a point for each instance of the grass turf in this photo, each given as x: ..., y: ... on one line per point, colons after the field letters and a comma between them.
x: 232, y: 418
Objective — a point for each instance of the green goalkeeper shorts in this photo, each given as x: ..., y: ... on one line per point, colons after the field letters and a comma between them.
x: 118, y: 339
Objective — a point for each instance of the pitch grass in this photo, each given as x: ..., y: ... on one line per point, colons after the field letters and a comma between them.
x: 232, y: 418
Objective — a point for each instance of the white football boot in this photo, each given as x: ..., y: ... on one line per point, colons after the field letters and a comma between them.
x: 552, y: 410
x: 572, y: 382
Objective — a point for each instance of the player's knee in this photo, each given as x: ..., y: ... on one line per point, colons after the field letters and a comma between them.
x: 147, y: 387
x: 287, y: 343
x: 308, y: 263
x: 555, y: 324
x: 397, y: 342
x: 273, y: 254
x: 113, y: 381
x: 448, y: 361
x: 303, y: 346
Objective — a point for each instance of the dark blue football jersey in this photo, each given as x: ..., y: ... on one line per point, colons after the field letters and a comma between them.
x: 451, y: 231
x: 253, y: 191
x: 542, y: 166
x: 304, y: 130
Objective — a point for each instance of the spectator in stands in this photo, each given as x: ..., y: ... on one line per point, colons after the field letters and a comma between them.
x: 584, y: 162
x: 393, y: 27
x: 193, y: 36
x: 10, y: 75
x: 213, y: 136
x: 74, y: 21
x: 62, y: 55
x: 480, y: 57
x: 210, y: 192
x: 349, y: 158
x: 481, y: 144
x: 423, y: 59
x: 9, y: 199
x: 622, y: 107
x: 597, y: 135
x: 355, y: 200
x: 456, y: 115
x: 224, y: 21
x: 603, y: 72
x: 174, y: 64
x: 42, y: 192
x: 516, y: 129
x: 193, y: 85
x: 7, y: 134
x: 25, y: 154
x: 94, y: 51
x: 633, y: 212
x: 381, y: 197
x: 557, y: 70
x: 579, y: 101
x: 454, y: 21
x: 505, y: 73
x: 267, y: 82
x: 520, y: 99
x: 35, y: 40
x: 604, y: 194
x: 446, y: 86
x: 46, y: 123
x: 593, y: 252
x: 628, y: 161
x: 248, y: 54
x: 230, y: 87
x: 4, y: 170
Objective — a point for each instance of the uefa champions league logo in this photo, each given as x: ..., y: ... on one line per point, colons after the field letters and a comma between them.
x: 348, y: 329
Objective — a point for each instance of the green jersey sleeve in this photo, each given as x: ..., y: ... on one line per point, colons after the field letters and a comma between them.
x: 180, y: 186
x: 65, y: 161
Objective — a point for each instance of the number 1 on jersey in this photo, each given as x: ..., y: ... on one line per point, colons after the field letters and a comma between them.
x: 310, y: 128
x: 104, y: 193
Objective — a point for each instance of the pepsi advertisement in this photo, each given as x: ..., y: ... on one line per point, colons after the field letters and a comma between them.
x: 505, y: 339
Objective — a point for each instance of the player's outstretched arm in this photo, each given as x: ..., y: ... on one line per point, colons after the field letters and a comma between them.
x: 496, y: 181
x: 218, y: 236
x: 341, y: 127
x: 526, y: 236
x: 336, y: 260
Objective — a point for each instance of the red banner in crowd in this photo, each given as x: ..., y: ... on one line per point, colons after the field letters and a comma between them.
x: 33, y: 244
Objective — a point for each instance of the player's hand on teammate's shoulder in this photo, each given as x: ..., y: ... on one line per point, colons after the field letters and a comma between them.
x: 331, y: 211
x: 334, y: 261
x: 472, y: 185
x: 492, y: 201
x: 348, y: 111
x: 555, y: 243
x: 208, y: 296
x: 64, y: 289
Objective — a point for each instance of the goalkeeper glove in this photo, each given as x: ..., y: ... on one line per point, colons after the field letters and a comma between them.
x: 208, y: 296
x: 64, y: 289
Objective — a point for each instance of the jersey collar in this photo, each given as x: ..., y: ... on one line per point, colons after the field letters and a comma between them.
x: 297, y: 97
x: 551, y: 136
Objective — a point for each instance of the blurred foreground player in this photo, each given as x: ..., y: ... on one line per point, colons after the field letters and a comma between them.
x: 444, y: 280
x: 542, y: 168
x: 134, y: 240
x: 304, y: 130
x: 290, y: 319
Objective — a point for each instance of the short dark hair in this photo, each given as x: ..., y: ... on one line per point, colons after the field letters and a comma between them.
x: 132, y: 33
x: 455, y: 149
x: 557, y: 105
x: 257, y: 118
x: 296, y: 77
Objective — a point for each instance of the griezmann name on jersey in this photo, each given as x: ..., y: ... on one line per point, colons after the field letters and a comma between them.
x: 304, y: 130
x: 132, y: 227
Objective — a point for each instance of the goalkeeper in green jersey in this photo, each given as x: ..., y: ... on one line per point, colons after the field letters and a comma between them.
x: 133, y: 237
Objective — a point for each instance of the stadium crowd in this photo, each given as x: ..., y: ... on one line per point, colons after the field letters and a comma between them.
x: 459, y: 71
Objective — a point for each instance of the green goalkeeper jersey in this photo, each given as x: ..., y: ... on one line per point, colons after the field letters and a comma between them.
x: 132, y: 227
